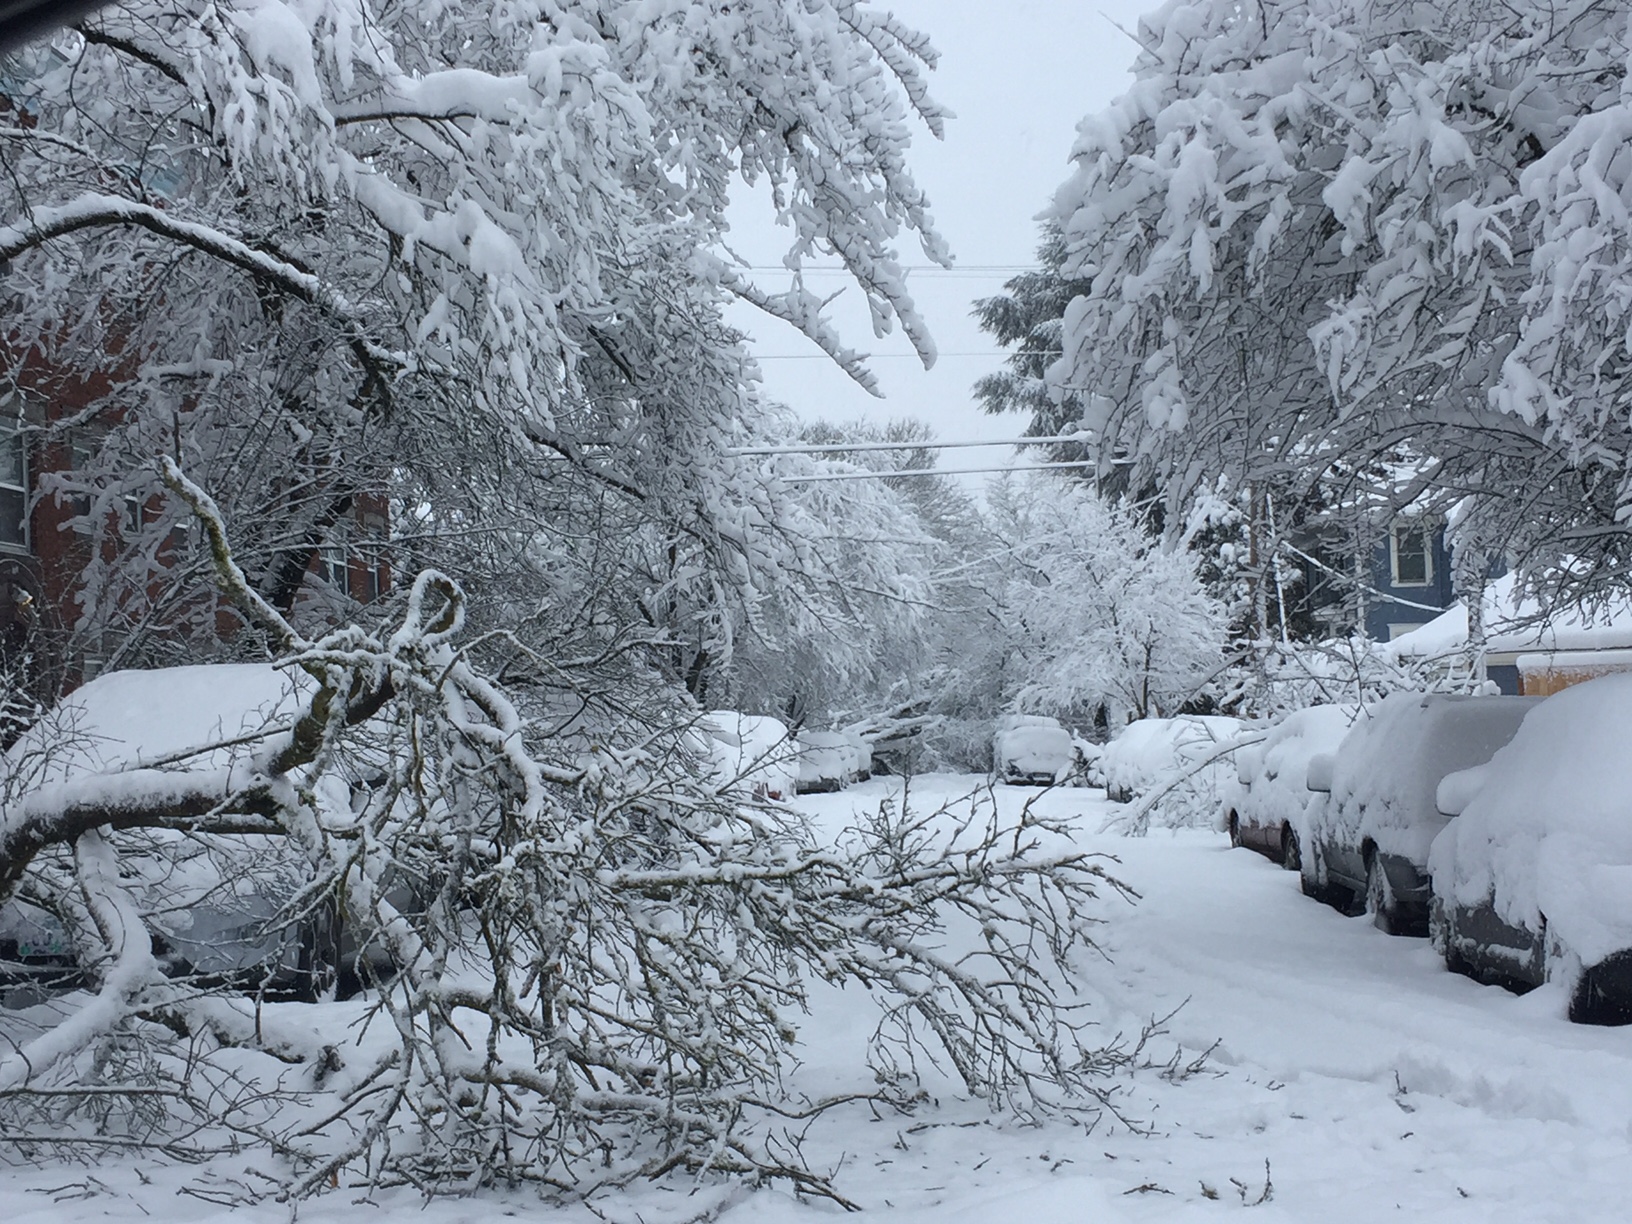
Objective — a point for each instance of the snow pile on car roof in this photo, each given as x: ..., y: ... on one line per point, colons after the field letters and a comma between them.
x: 1388, y: 767
x: 1154, y: 752
x: 199, y: 717
x: 1548, y: 829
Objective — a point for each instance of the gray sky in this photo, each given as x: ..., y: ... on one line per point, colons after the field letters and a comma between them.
x: 1019, y: 74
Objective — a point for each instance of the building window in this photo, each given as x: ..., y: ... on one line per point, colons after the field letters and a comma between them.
x: 13, y: 486
x: 1411, y: 555
x: 372, y: 550
x: 332, y: 564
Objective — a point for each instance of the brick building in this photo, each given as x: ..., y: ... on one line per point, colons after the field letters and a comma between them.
x: 45, y: 545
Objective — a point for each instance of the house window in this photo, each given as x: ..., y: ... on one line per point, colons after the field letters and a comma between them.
x: 376, y: 567
x: 332, y: 564
x: 13, y: 487
x: 1411, y: 556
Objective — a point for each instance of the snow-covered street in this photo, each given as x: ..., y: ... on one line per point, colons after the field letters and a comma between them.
x: 1373, y: 1083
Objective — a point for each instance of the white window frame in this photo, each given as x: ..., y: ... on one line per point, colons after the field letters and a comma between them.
x: 11, y: 428
x: 334, y: 560
x: 1426, y: 531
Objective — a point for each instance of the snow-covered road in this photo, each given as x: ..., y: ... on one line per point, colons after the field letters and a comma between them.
x: 1376, y: 1084
x: 1372, y: 1084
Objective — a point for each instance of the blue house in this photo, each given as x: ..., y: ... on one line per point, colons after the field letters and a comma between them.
x: 1406, y: 581
x: 1411, y: 579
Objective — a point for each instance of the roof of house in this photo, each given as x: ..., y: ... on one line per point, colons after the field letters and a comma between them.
x: 1515, y: 624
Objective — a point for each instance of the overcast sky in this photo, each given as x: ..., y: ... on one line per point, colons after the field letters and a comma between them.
x: 1019, y: 74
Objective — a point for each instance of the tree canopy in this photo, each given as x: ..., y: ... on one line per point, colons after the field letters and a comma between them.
x: 1325, y: 237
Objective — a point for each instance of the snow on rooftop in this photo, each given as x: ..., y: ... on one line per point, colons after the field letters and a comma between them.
x: 1514, y: 624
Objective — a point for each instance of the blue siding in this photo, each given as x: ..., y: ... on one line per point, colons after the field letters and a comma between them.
x: 1381, y: 613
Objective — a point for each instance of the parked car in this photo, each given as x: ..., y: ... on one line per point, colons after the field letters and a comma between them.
x: 1188, y: 758
x: 1369, y: 834
x: 213, y: 902
x: 1031, y: 750
x: 1265, y: 803
x: 863, y: 752
x: 827, y: 761
x: 1533, y: 879
x: 750, y: 753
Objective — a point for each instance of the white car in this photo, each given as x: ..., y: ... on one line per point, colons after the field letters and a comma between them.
x: 1369, y: 834
x: 1191, y: 751
x: 1533, y: 877
x: 1030, y: 750
x: 1266, y: 801
x: 828, y: 761
x: 750, y: 753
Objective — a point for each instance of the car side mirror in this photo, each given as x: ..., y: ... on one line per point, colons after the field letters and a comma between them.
x: 1320, y: 772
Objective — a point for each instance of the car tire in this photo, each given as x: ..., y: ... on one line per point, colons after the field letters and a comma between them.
x: 1235, y: 831
x: 1291, y: 851
x: 1379, y: 896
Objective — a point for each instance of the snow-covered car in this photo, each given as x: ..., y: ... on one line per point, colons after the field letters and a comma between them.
x: 863, y: 752
x: 1267, y: 799
x: 751, y: 753
x: 1032, y: 750
x: 1191, y: 753
x: 1533, y: 879
x: 212, y: 901
x: 828, y: 761
x: 1369, y: 834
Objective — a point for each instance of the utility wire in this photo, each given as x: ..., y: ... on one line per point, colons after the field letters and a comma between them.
x: 827, y: 448
x: 904, y: 356
x: 1035, y: 467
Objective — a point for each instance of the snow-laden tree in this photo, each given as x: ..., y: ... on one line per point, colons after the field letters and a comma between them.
x: 1319, y: 233
x: 467, y: 260
x: 327, y: 251
x: 1099, y: 614
x: 886, y: 546
x: 584, y: 965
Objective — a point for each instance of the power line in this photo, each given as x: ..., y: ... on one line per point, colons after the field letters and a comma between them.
x: 826, y: 448
x: 1035, y: 467
x: 901, y: 356
x: 915, y: 269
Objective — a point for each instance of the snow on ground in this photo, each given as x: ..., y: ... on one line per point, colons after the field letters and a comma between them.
x: 1375, y: 1085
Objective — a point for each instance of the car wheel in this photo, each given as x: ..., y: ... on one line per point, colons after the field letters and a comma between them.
x: 1291, y: 852
x: 1235, y: 831
x: 1379, y: 895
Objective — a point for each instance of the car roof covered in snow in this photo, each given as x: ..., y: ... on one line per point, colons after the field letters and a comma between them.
x: 198, y: 717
